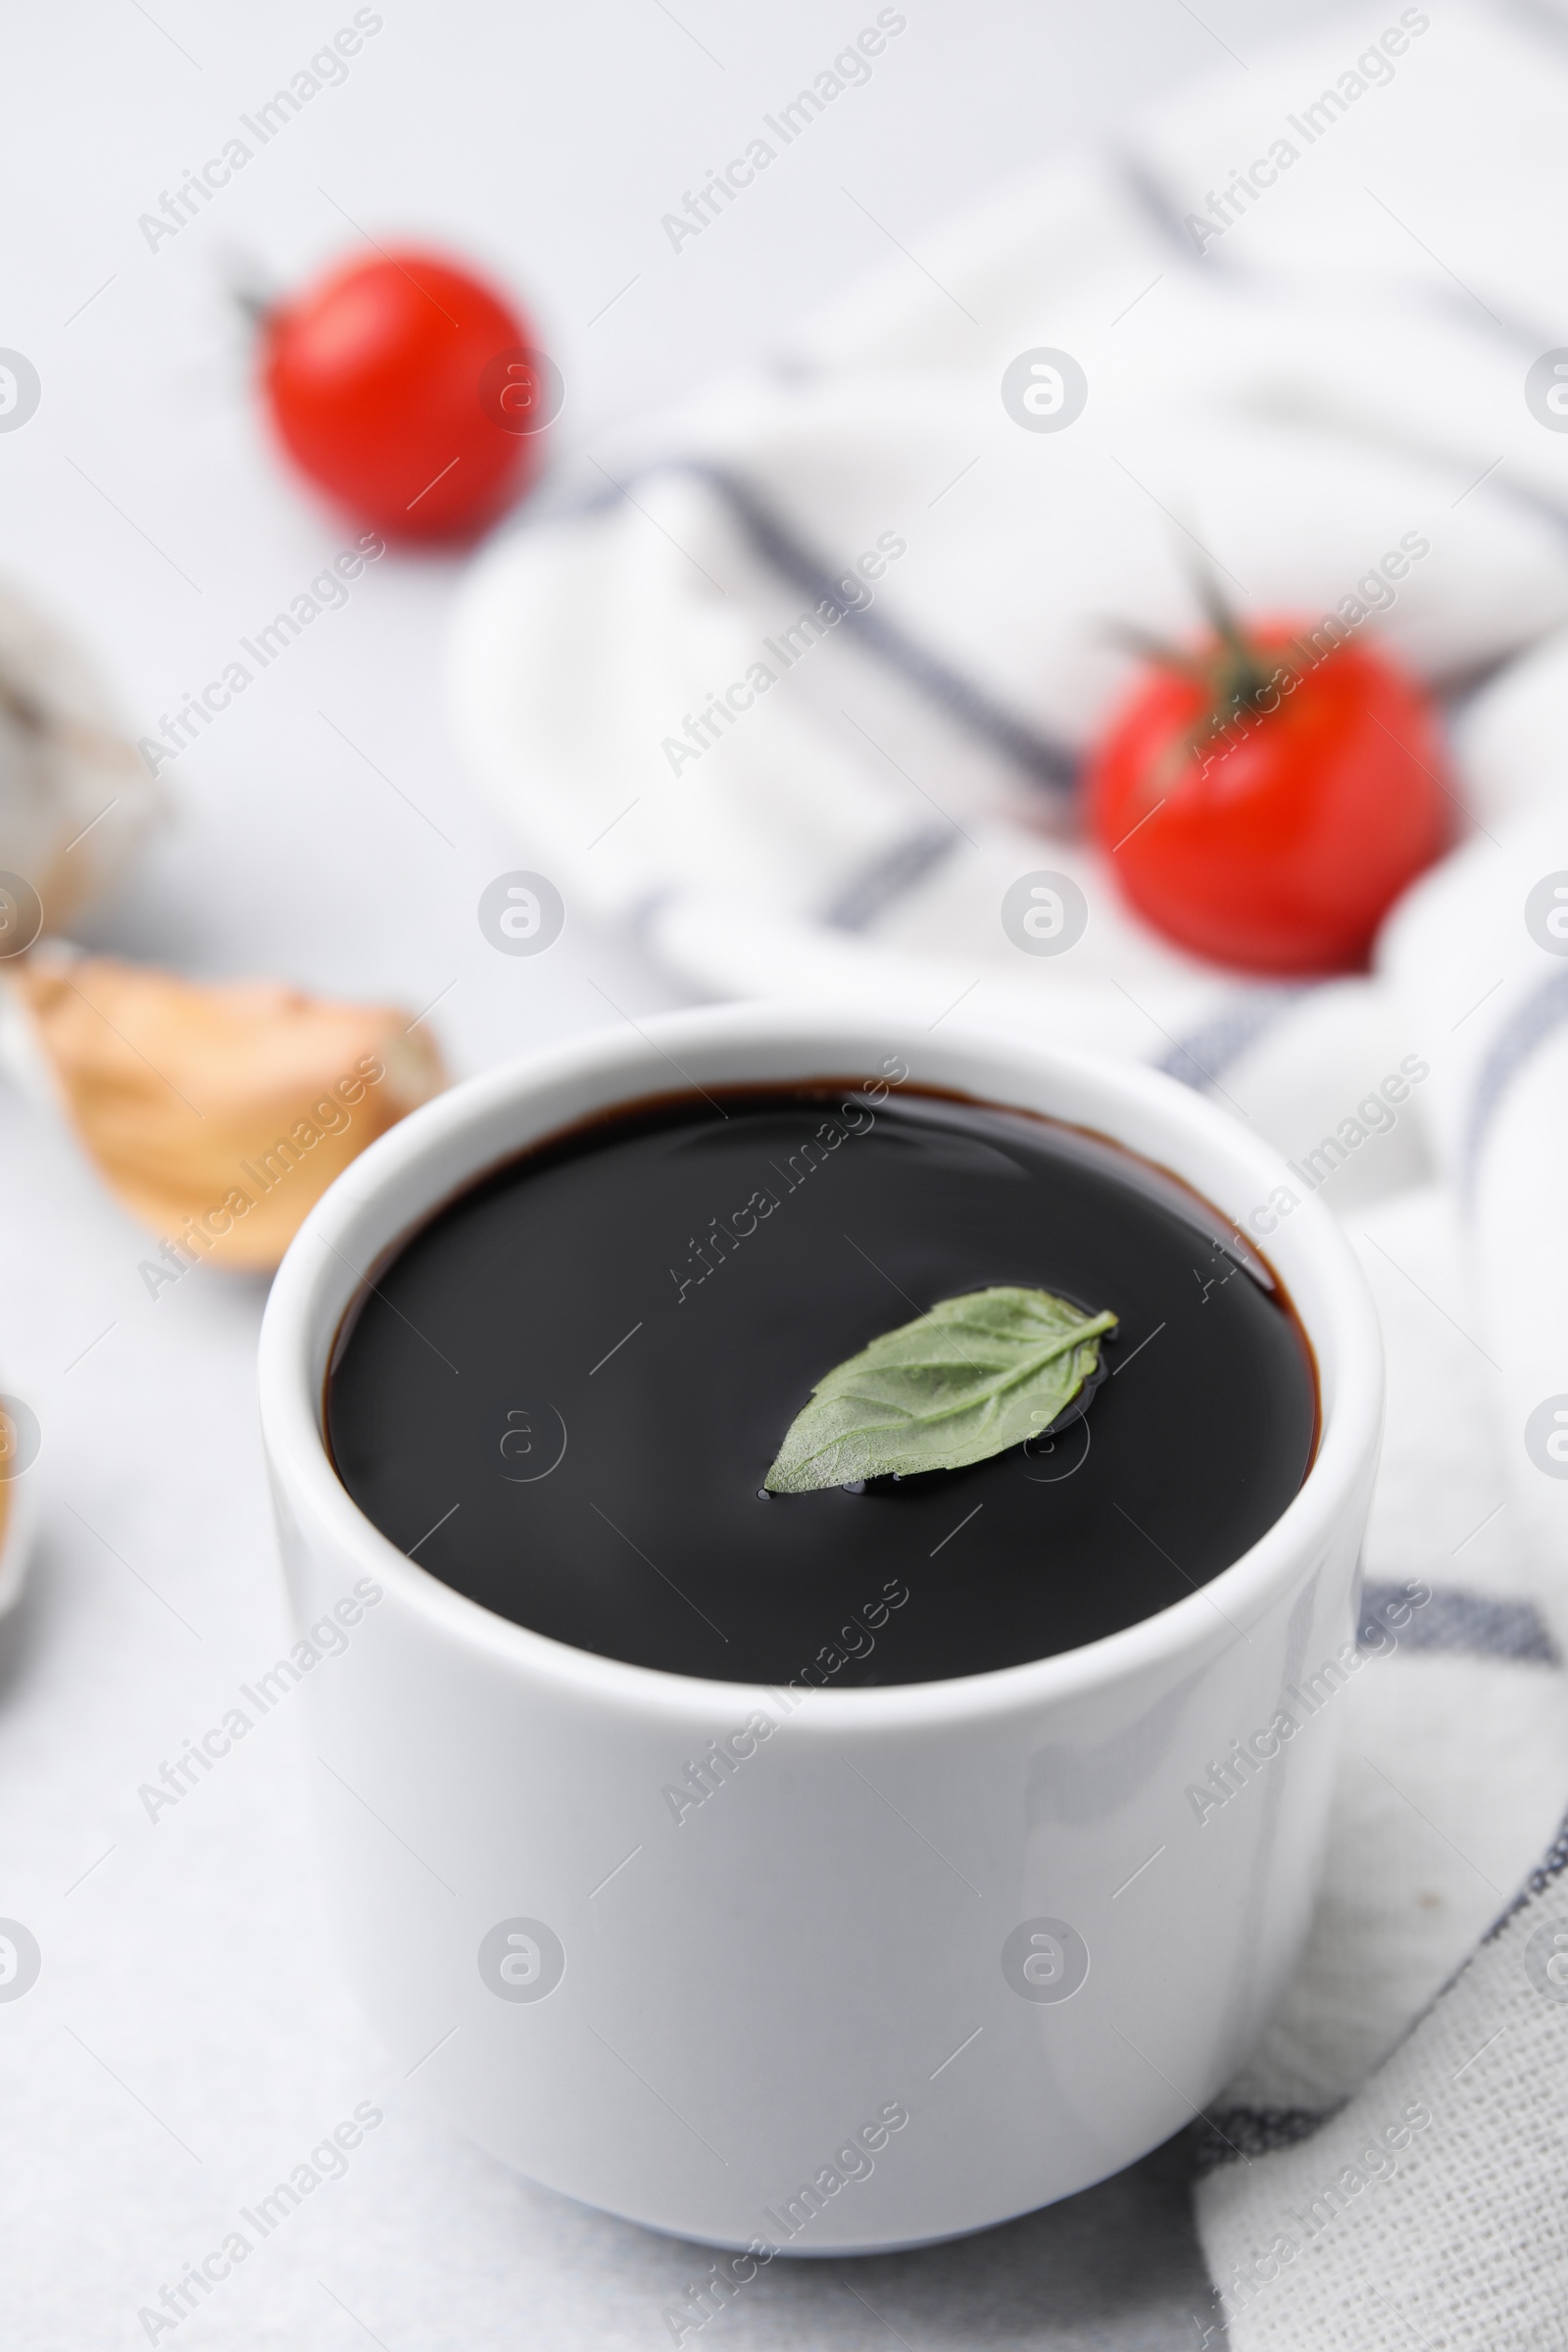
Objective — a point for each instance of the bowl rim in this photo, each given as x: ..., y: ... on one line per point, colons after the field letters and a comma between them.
x: 631, y: 1062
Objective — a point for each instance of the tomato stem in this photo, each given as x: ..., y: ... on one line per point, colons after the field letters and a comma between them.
x: 1232, y: 672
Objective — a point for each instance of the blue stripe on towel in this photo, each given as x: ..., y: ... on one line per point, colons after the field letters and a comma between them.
x: 1231, y: 2132
x: 889, y: 877
x: 1049, y: 762
x: 1208, y: 1052
x: 1454, y: 1619
x: 1554, y: 1862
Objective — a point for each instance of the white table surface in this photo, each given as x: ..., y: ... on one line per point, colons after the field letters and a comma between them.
x: 190, y: 2036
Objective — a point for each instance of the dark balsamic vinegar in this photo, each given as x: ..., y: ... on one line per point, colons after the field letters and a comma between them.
x: 564, y: 1392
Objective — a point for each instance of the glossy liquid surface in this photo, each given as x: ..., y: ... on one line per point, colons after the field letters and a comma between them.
x: 564, y: 1392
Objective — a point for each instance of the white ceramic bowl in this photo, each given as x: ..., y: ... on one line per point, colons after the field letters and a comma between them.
x: 714, y: 2025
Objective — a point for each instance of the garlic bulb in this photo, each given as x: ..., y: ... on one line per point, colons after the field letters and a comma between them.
x: 216, y: 1114
x: 75, y: 799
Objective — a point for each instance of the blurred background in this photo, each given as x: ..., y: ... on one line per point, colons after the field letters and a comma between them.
x: 146, y: 504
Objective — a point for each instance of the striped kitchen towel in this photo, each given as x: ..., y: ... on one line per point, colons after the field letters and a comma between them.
x: 793, y: 682
x: 1390, y: 2168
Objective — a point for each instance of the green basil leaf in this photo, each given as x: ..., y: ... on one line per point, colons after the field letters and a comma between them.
x: 976, y: 1375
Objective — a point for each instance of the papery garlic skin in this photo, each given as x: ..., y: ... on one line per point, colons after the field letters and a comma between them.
x: 75, y: 799
x: 218, y: 1115
x: 18, y: 1516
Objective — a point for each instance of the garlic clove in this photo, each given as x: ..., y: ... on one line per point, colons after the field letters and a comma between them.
x: 218, y: 1114
x: 75, y: 799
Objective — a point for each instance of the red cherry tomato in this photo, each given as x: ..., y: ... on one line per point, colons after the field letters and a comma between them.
x: 410, y: 393
x: 1264, y: 805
